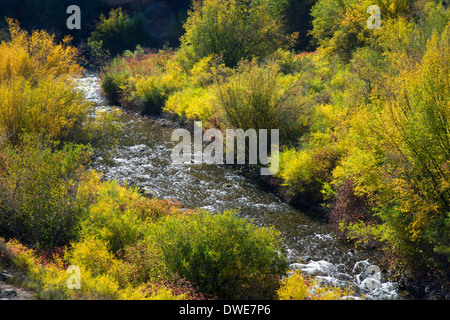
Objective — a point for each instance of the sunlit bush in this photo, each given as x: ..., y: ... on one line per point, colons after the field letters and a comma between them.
x: 193, y: 103
x: 38, y: 94
x: 50, y: 108
x: 112, y: 218
x: 35, y: 97
x: 35, y: 55
x: 221, y: 254
x: 298, y: 287
x: 118, y: 214
x: 234, y: 30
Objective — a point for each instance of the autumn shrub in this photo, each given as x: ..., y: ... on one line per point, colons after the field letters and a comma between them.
x: 111, y: 218
x: 32, y: 56
x: 202, y: 73
x: 49, y: 108
x: 141, y: 80
x: 220, y: 254
x: 119, y: 214
x: 104, y: 272
x: 38, y: 192
x: 34, y: 91
x: 191, y: 102
x: 307, y: 169
x: 24, y: 259
x: 195, y: 98
x: 102, y: 275
x: 134, y: 274
x: 259, y: 97
x: 341, y: 27
x: 296, y: 286
x: 149, y: 93
x: 38, y: 91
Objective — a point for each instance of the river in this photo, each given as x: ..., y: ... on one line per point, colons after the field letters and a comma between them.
x: 142, y: 158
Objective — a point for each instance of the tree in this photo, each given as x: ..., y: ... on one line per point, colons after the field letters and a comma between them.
x: 235, y: 29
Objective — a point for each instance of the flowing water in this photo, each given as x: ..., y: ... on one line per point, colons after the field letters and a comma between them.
x: 142, y: 157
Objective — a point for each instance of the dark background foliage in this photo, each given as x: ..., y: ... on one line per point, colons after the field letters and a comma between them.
x: 162, y: 20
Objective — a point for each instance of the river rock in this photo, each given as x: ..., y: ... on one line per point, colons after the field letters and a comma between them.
x: 8, y: 293
x: 5, y: 276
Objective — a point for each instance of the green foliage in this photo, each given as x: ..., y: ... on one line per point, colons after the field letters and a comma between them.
x: 98, y: 56
x: 234, y: 30
x: 260, y: 97
x: 398, y: 148
x: 139, y: 80
x: 222, y: 254
x: 38, y: 187
x: 118, y: 214
x: 118, y: 32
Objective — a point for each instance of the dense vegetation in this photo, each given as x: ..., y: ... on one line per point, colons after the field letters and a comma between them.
x: 364, y: 124
x: 55, y: 212
x: 364, y: 119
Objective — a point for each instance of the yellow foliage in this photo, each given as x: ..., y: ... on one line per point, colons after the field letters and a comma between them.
x: 293, y: 287
x: 201, y: 73
x: 313, y: 164
x: 24, y: 258
x: 49, y: 107
x: 37, y: 93
x: 94, y: 256
x: 193, y: 103
x: 36, y: 55
x: 298, y: 287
